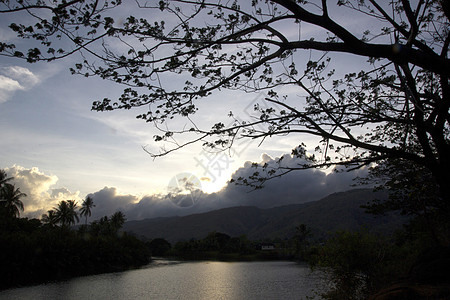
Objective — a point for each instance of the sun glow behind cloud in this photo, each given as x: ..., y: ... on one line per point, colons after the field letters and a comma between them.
x: 209, y: 186
x: 44, y: 191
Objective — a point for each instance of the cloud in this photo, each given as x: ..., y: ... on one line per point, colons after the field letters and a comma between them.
x: 108, y: 200
x: 7, y: 84
x: 295, y: 187
x: 15, y: 78
x: 38, y: 187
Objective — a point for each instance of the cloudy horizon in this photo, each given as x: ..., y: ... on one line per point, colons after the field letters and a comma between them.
x: 44, y: 191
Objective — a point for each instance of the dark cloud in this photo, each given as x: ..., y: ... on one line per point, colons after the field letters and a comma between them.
x: 341, y: 180
x: 295, y: 187
x: 107, y: 201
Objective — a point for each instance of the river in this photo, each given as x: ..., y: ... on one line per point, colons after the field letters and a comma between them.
x: 163, y: 279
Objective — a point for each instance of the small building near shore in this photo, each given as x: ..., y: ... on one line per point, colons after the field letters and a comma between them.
x: 267, y: 246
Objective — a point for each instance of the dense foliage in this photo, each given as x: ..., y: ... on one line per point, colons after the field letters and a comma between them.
x: 35, y: 251
x: 215, y: 245
x: 220, y: 246
x: 360, y: 263
x: 159, y: 247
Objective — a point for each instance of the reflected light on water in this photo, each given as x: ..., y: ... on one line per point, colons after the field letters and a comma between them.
x: 217, y: 280
x: 184, y: 280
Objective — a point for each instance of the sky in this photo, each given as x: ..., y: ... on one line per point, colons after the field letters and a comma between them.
x: 56, y: 149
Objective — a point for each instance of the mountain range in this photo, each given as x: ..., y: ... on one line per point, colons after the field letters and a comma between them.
x: 338, y: 211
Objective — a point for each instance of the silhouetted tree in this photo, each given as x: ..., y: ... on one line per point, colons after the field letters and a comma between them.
x: 4, y: 178
x: 10, y: 200
x: 159, y: 247
x: 86, y: 207
x: 31, y: 253
x: 414, y: 192
x: 302, y: 233
x: 359, y: 263
x: 3, y: 181
x: 117, y: 220
x: 100, y: 227
x: 66, y: 213
x: 50, y: 218
x: 394, y: 103
x: 108, y: 226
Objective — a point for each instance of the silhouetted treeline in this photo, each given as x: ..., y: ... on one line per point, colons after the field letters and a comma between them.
x: 220, y: 246
x: 366, y: 265
x: 37, y: 251
x: 33, y: 252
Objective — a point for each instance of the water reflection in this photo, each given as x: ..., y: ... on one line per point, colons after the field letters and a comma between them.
x: 184, y: 280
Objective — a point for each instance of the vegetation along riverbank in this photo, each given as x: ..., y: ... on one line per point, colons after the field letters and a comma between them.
x: 37, y: 251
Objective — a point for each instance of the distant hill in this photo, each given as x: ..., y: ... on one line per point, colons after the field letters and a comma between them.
x: 334, y: 212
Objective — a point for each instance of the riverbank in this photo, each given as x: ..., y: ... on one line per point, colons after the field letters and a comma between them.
x: 272, y: 255
x: 32, y: 253
x: 222, y: 247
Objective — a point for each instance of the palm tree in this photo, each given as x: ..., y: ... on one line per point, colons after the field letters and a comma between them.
x: 86, y: 206
x: 3, y: 178
x: 10, y: 200
x: 66, y: 213
x: 117, y: 220
x: 50, y: 218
